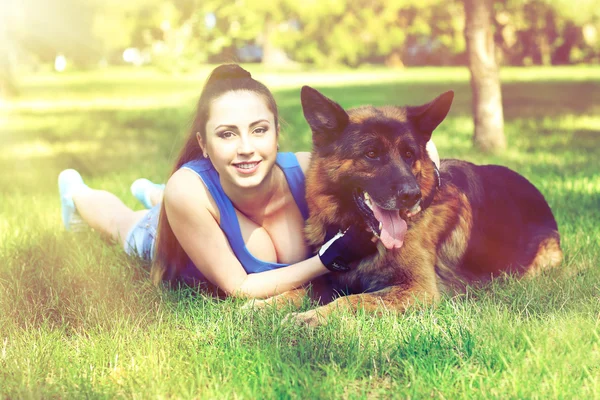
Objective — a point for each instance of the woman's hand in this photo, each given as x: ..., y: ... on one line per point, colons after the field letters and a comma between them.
x: 343, y: 248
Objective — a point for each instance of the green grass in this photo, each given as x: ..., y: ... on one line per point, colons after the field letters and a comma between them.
x: 80, y: 319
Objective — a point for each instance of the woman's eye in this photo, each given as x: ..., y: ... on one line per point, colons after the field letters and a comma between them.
x: 226, y: 134
x: 260, y: 130
x: 372, y: 154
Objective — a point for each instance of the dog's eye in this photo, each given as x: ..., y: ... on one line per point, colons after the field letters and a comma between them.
x: 372, y: 154
x: 408, y: 155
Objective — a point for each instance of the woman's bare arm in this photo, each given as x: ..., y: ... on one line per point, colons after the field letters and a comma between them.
x: 191, y: 216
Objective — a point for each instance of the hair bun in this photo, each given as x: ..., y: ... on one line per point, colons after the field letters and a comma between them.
x: 229, y: 71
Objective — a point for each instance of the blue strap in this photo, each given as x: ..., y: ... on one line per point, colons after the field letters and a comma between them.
x: 295, y: 178
x: 229, y: 222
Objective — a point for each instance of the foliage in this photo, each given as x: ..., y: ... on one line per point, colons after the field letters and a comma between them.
x: 372, y: 31
x: 179, y: 34
x: 547, y: 31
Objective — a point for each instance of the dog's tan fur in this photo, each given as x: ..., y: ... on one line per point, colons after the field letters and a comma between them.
x: 430, y: 260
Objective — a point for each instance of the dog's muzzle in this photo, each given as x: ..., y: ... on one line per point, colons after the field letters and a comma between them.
x: 366, y: 211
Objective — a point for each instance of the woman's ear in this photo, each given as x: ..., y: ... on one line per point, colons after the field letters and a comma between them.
x: 201, y: 144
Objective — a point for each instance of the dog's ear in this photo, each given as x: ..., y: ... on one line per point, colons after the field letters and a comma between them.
x: 326, y: 118
x: 428, y: 116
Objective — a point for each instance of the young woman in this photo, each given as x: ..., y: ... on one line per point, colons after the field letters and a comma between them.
x: 233, y: 210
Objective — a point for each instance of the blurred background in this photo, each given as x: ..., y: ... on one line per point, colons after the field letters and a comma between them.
x: 178, y: 35
x: 99, y: 84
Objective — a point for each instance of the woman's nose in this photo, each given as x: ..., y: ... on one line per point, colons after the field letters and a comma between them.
x: 245, y: 145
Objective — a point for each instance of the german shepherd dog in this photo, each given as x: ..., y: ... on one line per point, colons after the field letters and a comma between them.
x: 438, y: 230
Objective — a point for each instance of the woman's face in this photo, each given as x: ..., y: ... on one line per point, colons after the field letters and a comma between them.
x: 241, y: 138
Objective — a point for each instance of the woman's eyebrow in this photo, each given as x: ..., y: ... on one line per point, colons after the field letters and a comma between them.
x: 259, y: 121
x: 235, y: 126
x: 226, y: 126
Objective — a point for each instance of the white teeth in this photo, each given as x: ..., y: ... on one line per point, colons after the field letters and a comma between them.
x: 415, y: 210
x: 368, y: 200
x: 246, y: 166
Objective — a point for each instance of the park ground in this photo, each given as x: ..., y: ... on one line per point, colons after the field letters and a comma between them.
x: 80, y: 319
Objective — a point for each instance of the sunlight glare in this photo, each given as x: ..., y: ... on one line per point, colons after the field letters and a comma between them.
x: 43, y: 149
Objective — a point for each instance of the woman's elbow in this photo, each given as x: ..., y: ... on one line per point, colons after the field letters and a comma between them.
x: 248, y: 289
x: 239, y: 289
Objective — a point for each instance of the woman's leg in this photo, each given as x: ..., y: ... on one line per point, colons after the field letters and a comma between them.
x: 155, y: 195
x: 147, y: 192
x: 106, y: 213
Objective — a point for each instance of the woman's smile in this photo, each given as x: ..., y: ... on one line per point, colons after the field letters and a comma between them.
x: 247, y: 167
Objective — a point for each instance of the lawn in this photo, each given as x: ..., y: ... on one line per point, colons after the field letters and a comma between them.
x: 80, y: 319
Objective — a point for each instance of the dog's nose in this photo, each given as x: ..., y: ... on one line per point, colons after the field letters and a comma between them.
x: 409, y: 196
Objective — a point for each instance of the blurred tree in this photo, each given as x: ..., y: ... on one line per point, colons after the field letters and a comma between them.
x: 85, y: 31
x: 174, y: 33
x: 179, y: 34
x: 47, y: 28
x: 356, y: 31
x: 578, y: 40
x: 249, y: 22
x: 115, y: 22
x: 547, y: 31
x: 485, y: 79
x: 526, y: 32
x: 435, y: 34
x: 8, y: 86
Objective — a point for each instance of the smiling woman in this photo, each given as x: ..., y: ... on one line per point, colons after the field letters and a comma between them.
x: 242, y: 150
x: 233, y: 212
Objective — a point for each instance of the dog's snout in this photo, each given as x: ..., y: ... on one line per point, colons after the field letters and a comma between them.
x: 409, y: 195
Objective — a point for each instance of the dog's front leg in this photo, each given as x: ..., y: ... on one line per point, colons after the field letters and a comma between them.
x: 392, y: 299
x: 416, y: 284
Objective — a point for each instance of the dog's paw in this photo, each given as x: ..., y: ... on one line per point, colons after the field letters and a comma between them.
x: 309, y: 318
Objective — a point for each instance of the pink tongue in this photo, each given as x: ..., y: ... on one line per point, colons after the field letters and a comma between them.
x: 393, y: 227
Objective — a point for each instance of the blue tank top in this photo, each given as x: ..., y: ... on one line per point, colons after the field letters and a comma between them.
x: 229, y: 222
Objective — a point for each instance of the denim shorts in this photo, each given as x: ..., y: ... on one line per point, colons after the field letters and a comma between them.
x: 141, y: 238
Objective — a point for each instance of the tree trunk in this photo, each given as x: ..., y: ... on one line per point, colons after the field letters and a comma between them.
x: 545, y: 50
x: 485, y: 80
x: 8, y: 86
x: 272, y: 55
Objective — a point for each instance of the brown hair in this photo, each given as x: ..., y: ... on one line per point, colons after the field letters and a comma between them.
x: 169, y: 256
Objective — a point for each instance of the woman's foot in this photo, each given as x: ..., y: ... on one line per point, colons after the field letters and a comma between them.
x: 146, y: 191
x: 69, y: 183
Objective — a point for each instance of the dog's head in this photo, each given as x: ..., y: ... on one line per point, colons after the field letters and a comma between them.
x: 372, y: 161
